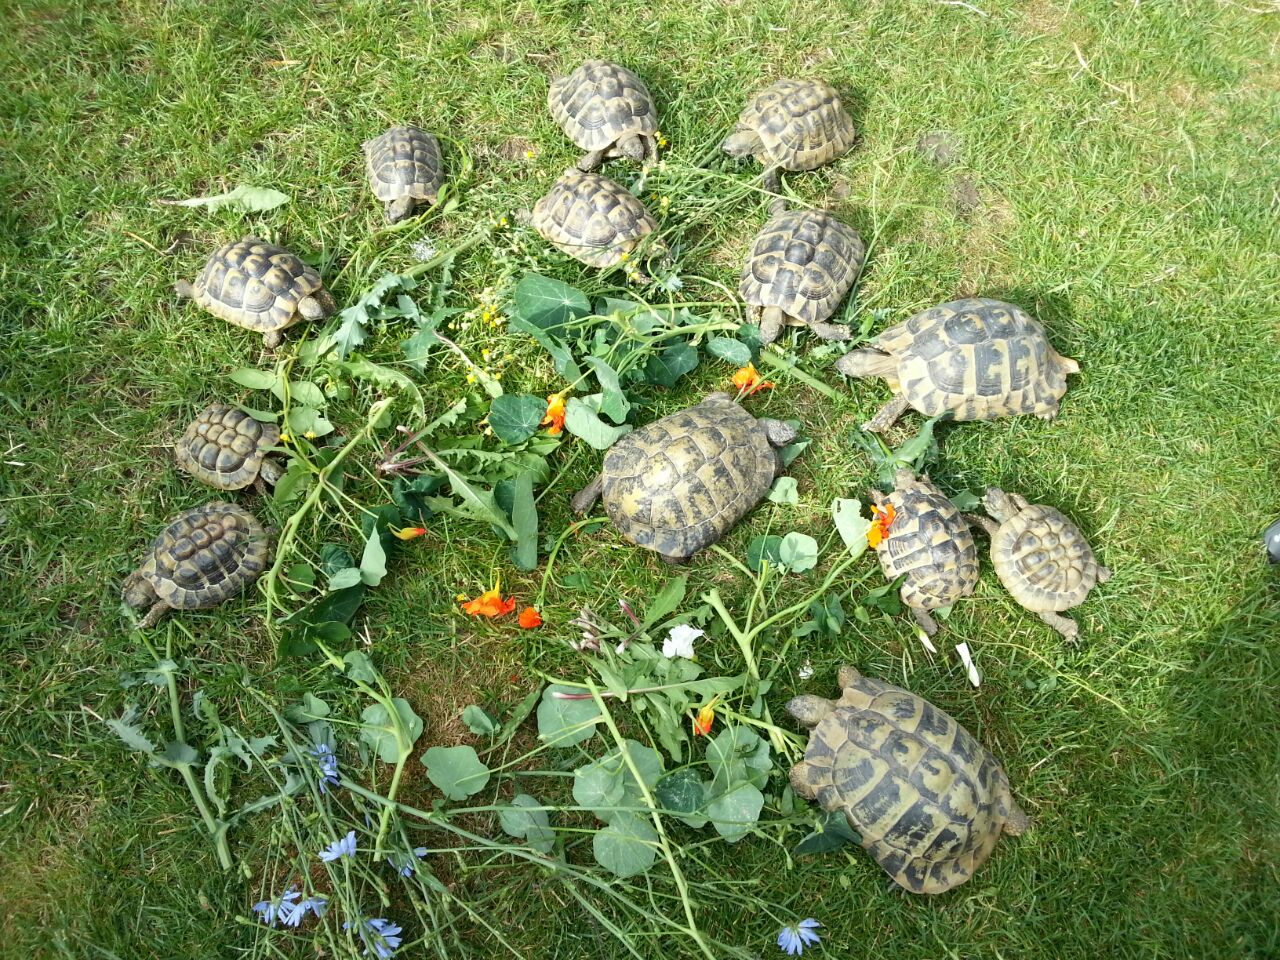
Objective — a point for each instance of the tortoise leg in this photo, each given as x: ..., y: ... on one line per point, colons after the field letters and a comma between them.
x: 771, y: 181
x: 184, y: 289
x: 398, y: 210
x: 888, y: 414
x: 800, y: 781
x: 985, y: 523
x: 153, y: 615
x: 586, y: 498
x: 1104, y: 574
x: 1069, y: 629
x: 927, y: 623
x: 771, y: 321
x: 830, y: 331
x: 1016, y: 821
x: 272, y: 339
x: 591, y: 160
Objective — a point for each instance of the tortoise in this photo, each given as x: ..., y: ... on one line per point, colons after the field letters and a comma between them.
x: 606, y: 110
x: 404, y: 169
x: 1271, y: 542
x: 977, y: 359
x: 929, y: 801
x: 593, y: 219
x: 791, y: 125
x: 1040, y: 556
x: 259, y: 286
x: 800, y: 267
x: 226, y: 448
x: 927, y: 540
x: 203, y: 557
x: 679, y: 484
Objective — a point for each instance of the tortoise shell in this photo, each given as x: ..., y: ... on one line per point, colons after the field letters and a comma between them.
x: 929, y: 542
x: 929, y: 801
x: 226, y: 448
x: 979, y: 359
x: 1041, y: 557
x: 680, y: 483
x: 600, y: 103
x: 801, y: 125
x: 592, y: 219
x: 205, y: 556
x: 259, y: 286
x: 802, y: 262
x: 404, y: 162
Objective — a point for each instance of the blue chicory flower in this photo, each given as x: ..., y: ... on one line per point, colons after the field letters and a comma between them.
x: 298, y: 912
x: 404, y: 863
x: 346, y: 847
x: 380, y: 937
x: 328, y: 765
x: 269, y: 910
x: 794, y: 938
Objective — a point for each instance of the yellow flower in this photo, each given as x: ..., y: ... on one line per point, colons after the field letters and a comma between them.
x: 460, y: 597
x: 285, y: 438
x: 663, y: 142
x: 408, y: 533
x: 665, y: 203
x: 471, y: 378
x: 310, y: 434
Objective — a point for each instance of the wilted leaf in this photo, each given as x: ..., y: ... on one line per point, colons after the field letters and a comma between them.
x: 784, y: 490
x: 563, y: 723
x: 254, y: 379
x: 523, y: 820
x: 373, y: 563
x: 378, y: 730
x: 479, y: 722
x: 244, y: 198
x: 853, y: 526
x: 798, y: 552
x: 614, y: 403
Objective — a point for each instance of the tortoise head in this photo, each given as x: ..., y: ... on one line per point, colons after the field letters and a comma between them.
x: 903, y: 477
x: 809, y: 709
x: 632, y: 146
x: 1001, y: 506
x: 138, y: 592
x: 779, y: 432
x: 742, y: 143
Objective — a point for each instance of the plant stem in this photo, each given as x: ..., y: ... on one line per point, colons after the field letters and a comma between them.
x: 778, y: 363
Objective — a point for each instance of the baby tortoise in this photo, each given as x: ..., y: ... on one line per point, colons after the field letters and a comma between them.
x: 259, y: 286
x: 226, y: 448
x: 929, y: 801
x: 978, y: 359
x: 1041, y: 557
x: 679, y: 484
x: 606, y: 110
x: 593, y: 219
x: 203, y: 557
x: 800, y: 267
x: 927, y: 540
x: 404, y: 169
x: 791, y: 125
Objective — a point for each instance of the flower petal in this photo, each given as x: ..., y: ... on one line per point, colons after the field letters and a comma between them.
x: 530, y: 618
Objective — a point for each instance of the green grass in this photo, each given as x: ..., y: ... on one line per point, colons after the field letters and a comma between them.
x: 1125, y: 159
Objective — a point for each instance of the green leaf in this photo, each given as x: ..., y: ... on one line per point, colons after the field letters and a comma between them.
x: 614, y: 403
x: 378, y: 730
x: 831, y: 833
x: 627, y: 846
x: 729, y: 350
x: 524, y: 518
x: 389, y: 377
x: 798, y: 552
x: 334, y: 557
x: 749, y: 335
x: 683, y: 793
x: 667, y: 601
x: 296, y: 481
x: 563, y: 723
x: 477, y: 502
x: 532, y: 825
x: 561, y: 355
x: 311, y: 708
x: 515, y: 417
x: 360, y: 667
x: 965, y: 501
x: 456, y: 770
x: 373, y: 563
x: 548, y: 303
x: 665, y: 368
x: 132, y: 735
x: 784, y: 490
x: 853, y: 526
x: 345, y: 578
x: 410, y: 496
x: 763, y: 548
x: 254, y: 379
x: 303, y: 393
x: 177, y: 754
x: 735, y: 814
x: 727, y: 757
x: 921, y: 448
x: 599, y: 786
x: 417, y: 347
x: 300, y: 577
x: 351, y: 332
x: 307, y: 422
x: 479, y: 722
x: 244, y: 198
x: 582, y: 420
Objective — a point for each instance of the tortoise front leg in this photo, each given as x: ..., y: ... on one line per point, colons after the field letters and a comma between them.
x: 586, y: 498
x: 888, y: 414
x: 985, y: 523
x: 1069, y: 629
x: 771, y: 181
x: 927, y: 623
x: 830, y: 331
x: 158, y: 610
x: 591, y: 160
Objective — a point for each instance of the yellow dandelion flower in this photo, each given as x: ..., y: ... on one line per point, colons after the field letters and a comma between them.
x: 529, y: 154
x: 459, y: 597
x: 285, y: 438
x: 310, y: 434
x: 663, y: 142
x: 471, y: 378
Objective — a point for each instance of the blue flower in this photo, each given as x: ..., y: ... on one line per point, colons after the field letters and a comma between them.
x: 269, y: 910
x: 380, y: 937
x: 328, y: 765
x: 794, y: 938
x: 346, y: 847
x: 404, y: 863
x: 296, y: 913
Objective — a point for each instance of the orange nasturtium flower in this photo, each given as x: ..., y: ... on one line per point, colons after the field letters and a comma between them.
x: 554, y: 420
x: 530, y: 618
x: 408, y: 533
x: 490, y: 604
x: 748, y: 381
x: 706, y: 717
x: 881, y: 521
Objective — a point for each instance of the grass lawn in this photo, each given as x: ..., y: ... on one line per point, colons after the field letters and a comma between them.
x: 1117, y: 178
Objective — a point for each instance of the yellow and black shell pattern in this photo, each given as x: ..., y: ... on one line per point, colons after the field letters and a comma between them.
x: 928, y: 542
x: 600, y: 103
x: 225, y: 447
x: 205, y: 556
x: 802, y: 124
x: 258, y: 286
x: 928, y: 800
x: 404, y: 162
x: 802, y: 262
x: 1044, y: 560
x: 592, y: 219
x: 979, y: 359
x: 680, y: 483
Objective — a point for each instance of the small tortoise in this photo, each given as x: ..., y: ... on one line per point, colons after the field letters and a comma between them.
x: 929, y: 801
x: 800, y: 267
x: 203, y: 557
x: 1041, y: 557
x: 226, y: 448
x: 928, y: 540
x: 606, y: 110
x: 404, y: 169
x: 259, y: 286
x: 679, y: 484
x: 791, y: 125
x: 593, y: 219
x: 978, y: 359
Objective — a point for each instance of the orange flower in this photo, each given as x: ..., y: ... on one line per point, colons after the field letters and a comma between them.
x: 706, y: 717
x: 554, y: 420
x: 408, y: 533
x: 530, y: 618
x: 490, y: 604
x: 748, y: 381
x: 881, y: 521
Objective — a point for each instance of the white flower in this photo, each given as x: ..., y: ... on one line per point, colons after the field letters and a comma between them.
x: 424, y: 250
x: 806, y: 671
x: 679, y: 642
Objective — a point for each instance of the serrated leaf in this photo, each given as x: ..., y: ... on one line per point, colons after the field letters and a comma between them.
x: 784, y: 490
x: 479, y: 722
x: 351, y: 332
x: 735, y: 814
x: 457, y: 771
x: 132, y: 736
x: 244, y: 198
x: 581, y: 418
x: 798, y: 552
x: 729, y: 350
x: 613, y: 403
x: 531, y: 825
x: 548, y: 303
x: 514, y: 417
x: 373, y: 562
x: 378, y: 730
x: 563, y: 723
x: 853, y: 526
x: 177, y: 754
x: 254, y: 379
x: 363, y: 369
x: 627, y: 846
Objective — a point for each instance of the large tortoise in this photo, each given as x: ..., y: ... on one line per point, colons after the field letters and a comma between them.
x: 791, y: 125
x: 404, y: 169
x: 800, y: 267
x: 593, y: 219
x: 203, y: 557
x: 606, y: 110
x: 228, y: 449
x: 259, y: 286
x: 1041, y: 557
x: 929, y: 801
x: 928, y: 541
x: 680, y: 483
x: 977, y: 359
